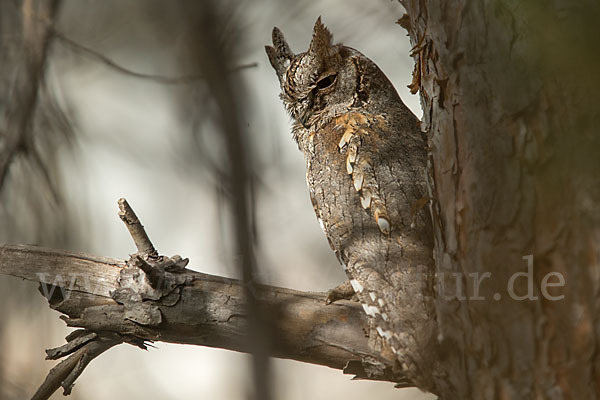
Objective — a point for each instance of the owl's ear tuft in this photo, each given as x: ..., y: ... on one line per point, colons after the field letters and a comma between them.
x: 321, y: 40
x: 280, y: 54
x: 280, y: 44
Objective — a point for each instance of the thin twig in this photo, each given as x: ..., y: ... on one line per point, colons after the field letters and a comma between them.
x: 136, y: 230
x: 67, y: 371
x: 154, y: 77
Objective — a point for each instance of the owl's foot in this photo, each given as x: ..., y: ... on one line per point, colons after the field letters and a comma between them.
x: 340, y: 292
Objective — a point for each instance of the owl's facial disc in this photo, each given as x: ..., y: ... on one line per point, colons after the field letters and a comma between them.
x: 316, y: 84
x: 307, y: 92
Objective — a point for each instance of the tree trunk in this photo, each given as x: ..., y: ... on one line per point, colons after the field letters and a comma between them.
x: 509, y: 91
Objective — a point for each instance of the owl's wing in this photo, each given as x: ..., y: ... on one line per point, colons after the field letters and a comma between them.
x: 360, y: 163
x: 384, y: 257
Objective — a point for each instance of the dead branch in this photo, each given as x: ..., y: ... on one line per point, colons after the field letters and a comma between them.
x: 114, y: 302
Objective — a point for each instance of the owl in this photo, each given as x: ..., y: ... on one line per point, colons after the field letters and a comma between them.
x: 365, y: 169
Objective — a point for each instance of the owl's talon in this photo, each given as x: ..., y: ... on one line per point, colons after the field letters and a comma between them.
x: 340, y: 292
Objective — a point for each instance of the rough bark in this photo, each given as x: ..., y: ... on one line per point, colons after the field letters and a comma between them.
x: 509, y: 91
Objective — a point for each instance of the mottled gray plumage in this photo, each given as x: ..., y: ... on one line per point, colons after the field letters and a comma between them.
x: 365, y: 160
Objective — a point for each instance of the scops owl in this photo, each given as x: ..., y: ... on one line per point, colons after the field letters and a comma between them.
x: 365, y: 169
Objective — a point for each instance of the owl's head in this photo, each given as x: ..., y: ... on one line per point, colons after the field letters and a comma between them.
x: 319, y: 84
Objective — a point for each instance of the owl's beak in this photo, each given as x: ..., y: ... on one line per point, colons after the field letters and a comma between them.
x: 304, y: 117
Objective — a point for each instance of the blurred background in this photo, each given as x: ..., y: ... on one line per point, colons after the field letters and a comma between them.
x: 98, y: 132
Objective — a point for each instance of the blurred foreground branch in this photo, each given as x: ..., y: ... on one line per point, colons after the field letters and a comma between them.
x: 155, y: 298
x: 16, y: 131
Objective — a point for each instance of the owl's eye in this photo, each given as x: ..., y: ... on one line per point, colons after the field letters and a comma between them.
x: 326, y: 81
